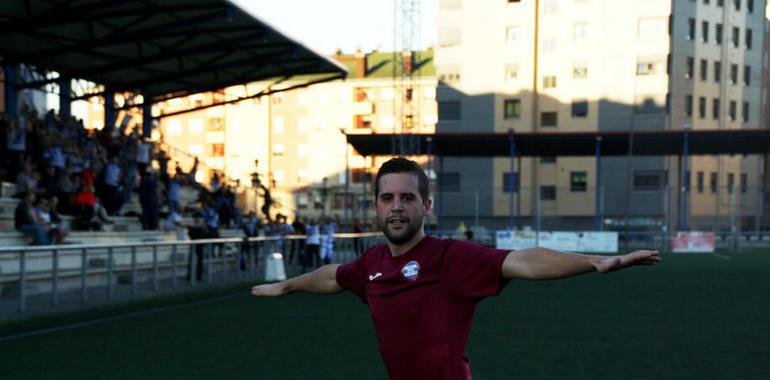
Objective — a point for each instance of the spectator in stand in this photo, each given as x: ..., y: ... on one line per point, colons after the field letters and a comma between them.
x: 50, y: 184
x: 26, y: 180
x: 173, y: 188
x: 143, y: 149
x: 211, y: 219
x: 56, y: 232
x: 193, y: 172
x: 61, y: 229
x: 27, y: 222
x: 85, y: 212
x: 54, y: 156
x: 111, y: 195
x: 357, y: 229
x: 174, y: 223
x: 251, y: 228
x: 149, y: 198
x: 216, y: 183
x: 16, y: 143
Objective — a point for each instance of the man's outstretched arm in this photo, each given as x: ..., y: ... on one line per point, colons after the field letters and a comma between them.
x: 322, y: 281
x: 547, y: 264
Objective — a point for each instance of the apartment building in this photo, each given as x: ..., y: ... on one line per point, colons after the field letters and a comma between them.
x: 601, y: 65
x: 297, y: 137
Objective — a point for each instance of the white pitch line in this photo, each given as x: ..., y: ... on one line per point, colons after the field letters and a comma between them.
x: 115, y: 318
x: 723, y: 257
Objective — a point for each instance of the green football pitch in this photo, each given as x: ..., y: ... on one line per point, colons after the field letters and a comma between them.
x: 691, y: 317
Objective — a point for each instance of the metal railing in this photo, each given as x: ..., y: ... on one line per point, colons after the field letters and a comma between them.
x: 50, y: 271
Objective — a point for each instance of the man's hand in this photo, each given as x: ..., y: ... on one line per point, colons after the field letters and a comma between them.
x: 270, y: 290
x: 641, y: 257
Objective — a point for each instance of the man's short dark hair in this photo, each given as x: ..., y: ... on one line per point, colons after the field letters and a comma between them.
x: 403, y: 165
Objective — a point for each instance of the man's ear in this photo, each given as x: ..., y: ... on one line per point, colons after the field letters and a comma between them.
x: 428, y: 203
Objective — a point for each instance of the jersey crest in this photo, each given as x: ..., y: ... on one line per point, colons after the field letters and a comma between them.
x: 411, y: 270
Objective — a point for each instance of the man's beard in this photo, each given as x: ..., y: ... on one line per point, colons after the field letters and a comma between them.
x: 402, y: 236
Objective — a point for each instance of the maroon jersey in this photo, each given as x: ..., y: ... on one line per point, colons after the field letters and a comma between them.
x: 422, y: 302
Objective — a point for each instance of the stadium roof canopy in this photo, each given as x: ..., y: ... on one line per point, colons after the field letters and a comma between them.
x: 643, y: 143
x: 159, y: 48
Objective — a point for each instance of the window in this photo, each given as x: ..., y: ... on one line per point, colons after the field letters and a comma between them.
x: 690, y: 67
x: 649, y: 66
x: 451, y: 4
x: 449, y: 182
x: 745, y: 111
x: 704, y: 69
x: 449, y: 37
x: 730, y: 182
x: 551, y: 6
x: 652, y: 27
x: 733, y: 110
x: 649, y: 180
x: 733, y: 74
x: 578, y: 181
x: 717, y: 71
x: 713, y: 182
x: 744, y: 182
x: 715, y: 107
x: 359, y: 94
x: 362, y: 121
x: 736, y: 37
x: 512, y: 34
x: 750, y: 5
x: 547, y: 159
x: 549, y: 119
x: 688, y: 105
x: 511, y: 108
x: 278, y: 150
x: 720, y: 3
x: 359, y: 175
x: 699, y: 182
x: 511, y: 72
x: 196, y: 126
x: 580, y: 108
x: 579, y: 70
x: 737, y: 4
x: 718, y: 34
x: 691, y: 29
x: 548, y: 193
x: 549, y: 81
x: 449, y: 110
x: 513, y: 1
x: 341, y: 200
x: 702, y: 107
x: 174, y: 127
x: 707, y: 2
x: 747, y: 75
x: 748, y: 39
x: 580, y: 31
x: 218, y: 150
x: 510, y: 183
x: 705, y: 31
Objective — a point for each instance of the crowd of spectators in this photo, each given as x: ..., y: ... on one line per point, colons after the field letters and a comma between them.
x: 60, y: 166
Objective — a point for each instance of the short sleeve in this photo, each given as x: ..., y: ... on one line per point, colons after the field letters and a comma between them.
x: 473, y: 270
x: 351, y: 277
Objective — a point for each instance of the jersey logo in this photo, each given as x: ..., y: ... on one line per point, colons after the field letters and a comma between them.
x: 373, y: 276
x: 411, y: 270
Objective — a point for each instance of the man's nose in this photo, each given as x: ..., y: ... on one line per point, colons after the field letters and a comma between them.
x: 397, y: 203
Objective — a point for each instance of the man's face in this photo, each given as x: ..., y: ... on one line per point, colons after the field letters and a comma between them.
x: 400, y: 208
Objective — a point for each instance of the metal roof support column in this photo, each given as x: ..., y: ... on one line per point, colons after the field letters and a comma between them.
x: 147, y: 117
x: 65, y: 96
x: 11, y: 92
x: 684, y: 182
x: 598, y: 186
x: 109, y: 111
x: 512, y: 179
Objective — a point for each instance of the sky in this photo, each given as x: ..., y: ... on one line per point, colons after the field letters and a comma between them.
x: 326, y: 26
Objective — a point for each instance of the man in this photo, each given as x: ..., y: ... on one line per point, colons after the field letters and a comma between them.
x: 27, y: 222
x: 422, y: 291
